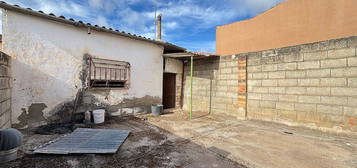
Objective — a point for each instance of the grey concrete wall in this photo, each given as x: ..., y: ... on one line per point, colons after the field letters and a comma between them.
x: 5, y: 92
x: 215, y: 86
x: 313, y: 85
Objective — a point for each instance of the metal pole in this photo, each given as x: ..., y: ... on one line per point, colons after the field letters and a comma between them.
x: 191, y: 79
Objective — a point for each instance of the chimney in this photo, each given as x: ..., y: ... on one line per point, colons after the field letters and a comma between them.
x: 158, y: 27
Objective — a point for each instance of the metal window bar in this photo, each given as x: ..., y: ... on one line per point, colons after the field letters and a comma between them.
x: 112, y: 73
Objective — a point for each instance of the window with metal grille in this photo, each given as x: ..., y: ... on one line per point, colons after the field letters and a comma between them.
x: 106, y: 73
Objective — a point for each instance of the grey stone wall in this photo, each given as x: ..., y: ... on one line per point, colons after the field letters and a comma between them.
x: 5, y: 92
x: 312, y: 84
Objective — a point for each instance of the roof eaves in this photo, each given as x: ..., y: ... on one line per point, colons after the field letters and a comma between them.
x: 71, y: 21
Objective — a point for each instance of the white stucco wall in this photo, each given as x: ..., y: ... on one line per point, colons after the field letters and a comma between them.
x: 48, y: 56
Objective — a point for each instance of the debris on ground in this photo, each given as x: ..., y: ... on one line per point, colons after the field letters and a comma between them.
x: 84, y: 140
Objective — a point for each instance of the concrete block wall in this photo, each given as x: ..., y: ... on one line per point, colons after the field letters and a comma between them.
x: 215, y: 86
x: 5, y: 92
x: 312, y: 84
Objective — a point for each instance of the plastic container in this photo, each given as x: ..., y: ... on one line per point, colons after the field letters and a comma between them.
x: 156, y: 109
x: 98, y: 116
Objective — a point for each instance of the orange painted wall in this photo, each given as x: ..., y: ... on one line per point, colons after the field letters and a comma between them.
x: 290, y: 23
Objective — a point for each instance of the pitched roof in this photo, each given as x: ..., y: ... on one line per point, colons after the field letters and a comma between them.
x: 168, y: 47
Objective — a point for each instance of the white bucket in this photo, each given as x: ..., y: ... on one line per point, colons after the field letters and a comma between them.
x: 98, y: 116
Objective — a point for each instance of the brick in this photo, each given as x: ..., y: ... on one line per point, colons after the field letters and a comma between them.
x: 352, y: 61
x: 309, y: 82
x: 287, y: 82
x: 344, y: 72
x: 272, y: 67
x: 257, y: 68
x: 309, y: 99
x: 333, y: 82
x: 269, y: 83
x: 334, y: 100
x: 318, y: 73
x: 254, y: 96
x: 334, y: 63
x: 288, y: 98
x: 276, y: 75
x: 315, y: 55
x: 270, y: 97
x: 267, y: 104
x: 309, y: 65
x: 344, y: 91
x: 330, y: 109
x: 295, y: 74
x: 287, y: 66
x: 284, y: 106
x: 296, y: 90
x: 263, y: 75
x: 305, y: 107
x: 341, y: 53
x: 280, y: 90
x: 323, y: 91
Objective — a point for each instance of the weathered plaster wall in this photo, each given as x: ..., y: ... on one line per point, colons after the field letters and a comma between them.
x: 176, y: 66
x: 292, y: 22
x: 5, y: 91
x: 48, y: 61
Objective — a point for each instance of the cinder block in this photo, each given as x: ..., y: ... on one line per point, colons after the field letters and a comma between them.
x: 344, y: 72
x: 309, y: 65
x: 352, y: 82
x: 253, y: 103
x: 267, y: 104
x: 352, y: 101
x: 322, y: 91
x: 287, y: 82
x: 334, y: 100
x: 257, y: 68
x: 305, y: 107
x: 334, y: 63
x: 294, y: 57
x: 340, y: 91
x: 330, y: 109
x: 288, y: 98
x: 295, y: 74
x: 277, y: 75
x: 318, y: 73
x: 287, y: 66
x: 270, y: 97
x: 296, y: 90
x: 284, y: 106
x: 341, y: 53
x: 269, y: 82
x: 262, y: 75
x: 352, y: 61
x: 254, y: 83
x: 350, y: 111
x: 333, y: 82
x: 254, y: 96
x: 319, y: 55
x: 308, y: 82
x: 260, y: 89
x: 277, y: 90
x: 270, y: 67
x: 309, y: 99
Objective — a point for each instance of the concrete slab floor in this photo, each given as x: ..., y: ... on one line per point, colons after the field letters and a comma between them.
x: 263, y: 144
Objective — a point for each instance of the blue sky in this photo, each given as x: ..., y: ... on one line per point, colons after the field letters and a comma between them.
x: 187, y: 23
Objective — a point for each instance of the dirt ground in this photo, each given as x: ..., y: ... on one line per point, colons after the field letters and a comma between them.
x: 171, y: 140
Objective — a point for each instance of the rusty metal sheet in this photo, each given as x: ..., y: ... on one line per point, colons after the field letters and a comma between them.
x: 84, y: 140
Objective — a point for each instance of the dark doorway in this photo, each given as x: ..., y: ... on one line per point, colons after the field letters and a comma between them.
x: 169, y: 90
